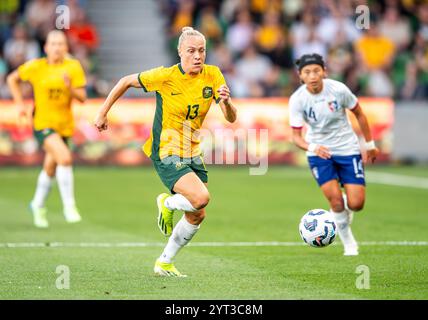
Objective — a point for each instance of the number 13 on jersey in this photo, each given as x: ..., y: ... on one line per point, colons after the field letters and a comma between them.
x: 192, y: 111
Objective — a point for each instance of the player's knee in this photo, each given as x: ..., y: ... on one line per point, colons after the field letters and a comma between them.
x: 336, y: 204
x: 65, y: 160
x: 356, y: 205
x: 201, y: 200
x: 196, y: 218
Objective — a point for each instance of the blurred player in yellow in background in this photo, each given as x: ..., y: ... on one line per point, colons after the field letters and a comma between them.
x: 184, y: 94
x: 56, y: 81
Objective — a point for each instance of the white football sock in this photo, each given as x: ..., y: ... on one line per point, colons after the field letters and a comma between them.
x: 344, y: 230
x: 64, y: 176
x: 179, y: 202
x: 350, y: 212
x: 345, y: 201
x: 44, y: 184
x: 181, y: 235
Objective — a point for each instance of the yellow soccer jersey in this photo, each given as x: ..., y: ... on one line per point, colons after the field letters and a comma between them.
x: 52, y: 99
x: 182, y: 102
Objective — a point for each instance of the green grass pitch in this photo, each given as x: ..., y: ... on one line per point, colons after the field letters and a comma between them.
x: 118, y: 206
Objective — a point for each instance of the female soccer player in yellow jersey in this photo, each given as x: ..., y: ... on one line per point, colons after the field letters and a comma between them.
x: 184, y: 93
x: 56, y: 80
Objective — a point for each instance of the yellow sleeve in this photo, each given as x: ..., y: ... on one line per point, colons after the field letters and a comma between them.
x: 218, y: 82
x: 152, y: 80
x: 78, y: 79
x: 26, y: 71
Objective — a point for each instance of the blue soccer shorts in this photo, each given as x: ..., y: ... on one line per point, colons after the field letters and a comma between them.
x: 345, y: 169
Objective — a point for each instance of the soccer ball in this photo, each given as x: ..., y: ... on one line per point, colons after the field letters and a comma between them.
x: 317, y: 228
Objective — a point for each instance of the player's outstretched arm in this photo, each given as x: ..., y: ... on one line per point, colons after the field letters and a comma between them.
x: 371, y: 149
x: 226, y: 105
x: 320, y: 151
x: 118, y: 90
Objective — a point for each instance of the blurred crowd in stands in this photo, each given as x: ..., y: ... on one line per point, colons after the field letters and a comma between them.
x: 255, y: 42
x: 23, y: 29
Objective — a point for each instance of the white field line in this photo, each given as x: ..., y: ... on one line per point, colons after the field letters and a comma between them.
x: 195, y: 244
x: 396, y: 179
x: 377, y: 177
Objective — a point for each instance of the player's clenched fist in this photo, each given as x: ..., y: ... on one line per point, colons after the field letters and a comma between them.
x: 371, y: 155
x: 101, y: 122
x: 323, y: 152
x: 224, y: 92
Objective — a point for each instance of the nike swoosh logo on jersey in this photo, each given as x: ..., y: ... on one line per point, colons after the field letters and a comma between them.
x: 175, y: 93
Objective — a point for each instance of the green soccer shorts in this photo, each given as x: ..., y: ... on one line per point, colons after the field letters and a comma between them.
x: 172, y: 168
x: 41, y: 135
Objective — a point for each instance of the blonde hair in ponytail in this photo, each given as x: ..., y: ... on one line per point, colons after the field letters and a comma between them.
x: 186, y: 32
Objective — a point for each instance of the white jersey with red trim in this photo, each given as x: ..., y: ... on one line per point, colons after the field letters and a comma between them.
x: 326, y: 117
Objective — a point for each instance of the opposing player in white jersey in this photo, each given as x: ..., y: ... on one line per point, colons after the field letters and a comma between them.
x: 332, y: 147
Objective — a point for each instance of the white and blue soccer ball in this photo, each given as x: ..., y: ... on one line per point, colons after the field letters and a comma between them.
x: 317, y: 228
